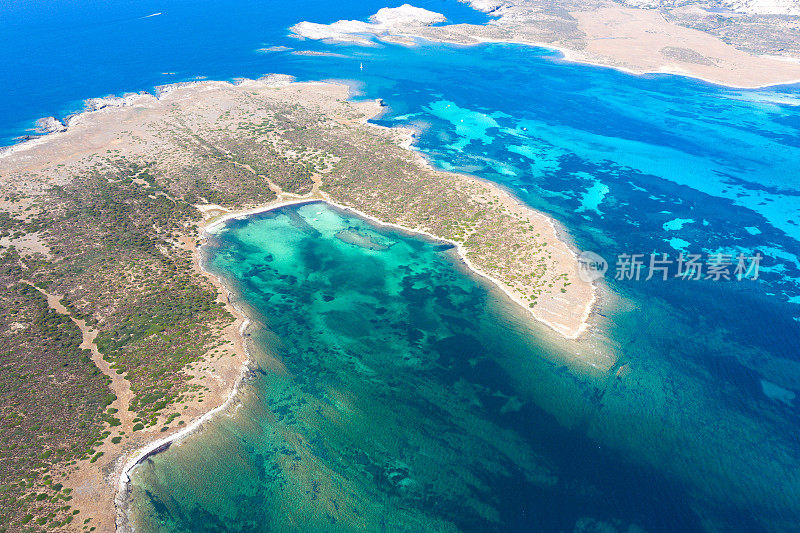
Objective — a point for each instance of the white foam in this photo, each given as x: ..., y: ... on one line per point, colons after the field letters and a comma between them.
x: 765, y: 7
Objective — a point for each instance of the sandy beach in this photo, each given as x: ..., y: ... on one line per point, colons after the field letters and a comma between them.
x: 549, y: 317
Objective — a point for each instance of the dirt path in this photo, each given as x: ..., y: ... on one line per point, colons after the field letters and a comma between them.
x: 94, y: 484
x: 274, y: 187
x: 120, y: 386
x: 280, y: 193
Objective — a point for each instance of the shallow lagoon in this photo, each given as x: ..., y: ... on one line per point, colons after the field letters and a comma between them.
x: 396, y: 392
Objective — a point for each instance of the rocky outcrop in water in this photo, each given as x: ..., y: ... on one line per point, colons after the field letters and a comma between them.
x: 49, y: 125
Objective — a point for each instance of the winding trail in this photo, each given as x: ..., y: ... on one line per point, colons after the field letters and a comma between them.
x: 120, y: 386
x: 279, y: 192
x: 85, y: 482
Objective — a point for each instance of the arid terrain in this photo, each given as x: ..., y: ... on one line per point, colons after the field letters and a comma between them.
x: 118, y: 338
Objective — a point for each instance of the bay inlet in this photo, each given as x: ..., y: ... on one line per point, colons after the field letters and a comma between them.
x: 392, y: 390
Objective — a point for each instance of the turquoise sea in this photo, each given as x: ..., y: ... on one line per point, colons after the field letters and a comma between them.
x: 395, y: 391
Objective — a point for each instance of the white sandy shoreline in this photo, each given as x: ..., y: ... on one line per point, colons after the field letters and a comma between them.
x: 561, y: 233
x: 574, y: 57
x: 462, y: 252
x: 122, y: 498
x: 150, y: 449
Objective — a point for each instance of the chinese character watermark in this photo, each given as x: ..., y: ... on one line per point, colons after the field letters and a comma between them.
x: 716, y: 266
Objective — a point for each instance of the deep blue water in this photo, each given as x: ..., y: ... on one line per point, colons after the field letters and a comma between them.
x: 649, y: 164
x: 58, y: 53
